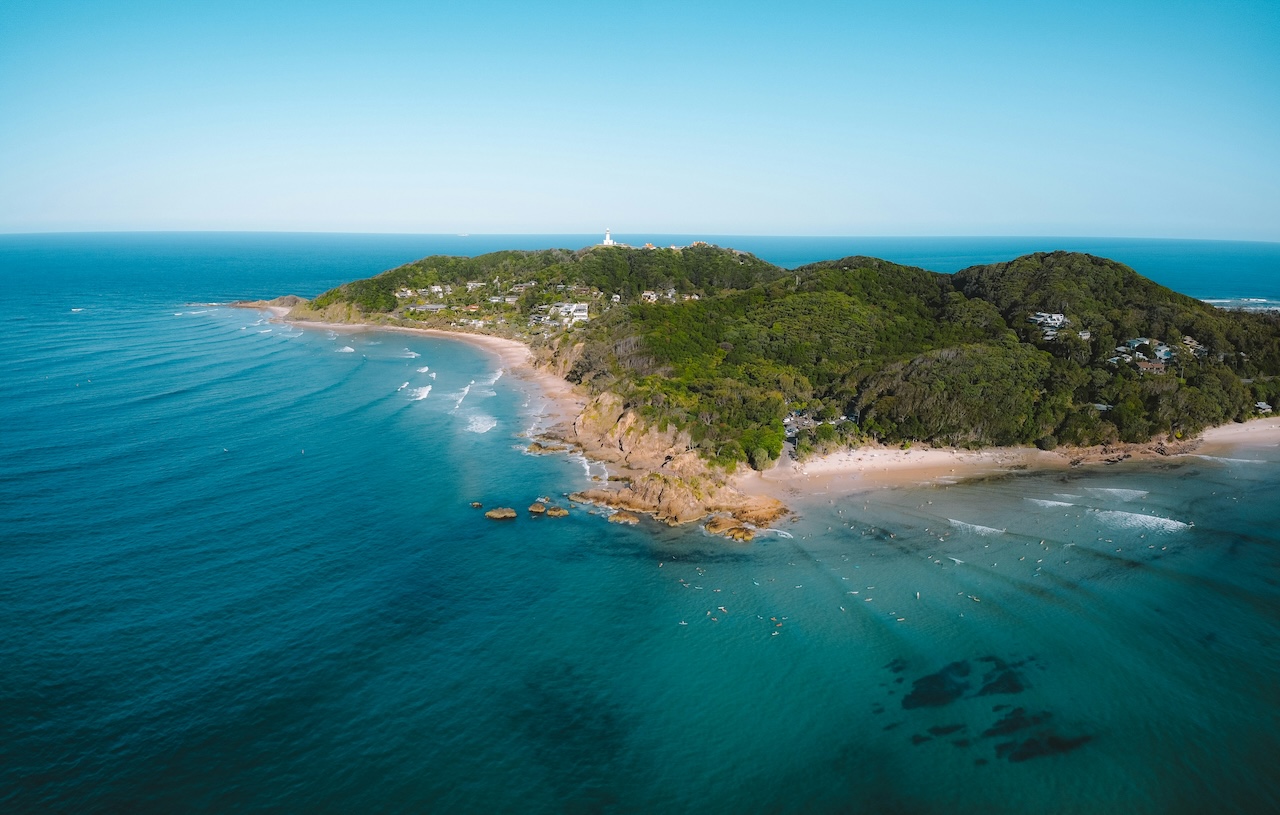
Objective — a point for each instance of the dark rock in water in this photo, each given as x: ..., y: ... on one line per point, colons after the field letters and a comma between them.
x: 919, y: 739
x: 994, y: 660
x: 1015, y: 720
x: 998, y: 708
x: 1047, y: 744
x: 941, y: 688
x: 978, y: 762
x: 898, y: 665
x: 899, y: 680
x: 891, y: 725
x: 877, y: 708
x: 1005, y: 681
x: 945, y: 729
x: 961, y: 742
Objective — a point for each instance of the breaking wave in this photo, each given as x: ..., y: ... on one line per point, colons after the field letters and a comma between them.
x: 1135, y: 520
x: 1112, y: 492
x: 463, y: 394
x: 481, y: 424
x: 424, y: 369
x: 402, y: 387
x: 410, y: 354
x: 346, y: 349
x: 418, y: 394
x: 1232, y: 460
x: 974, y: 528
x: 1041, y: 502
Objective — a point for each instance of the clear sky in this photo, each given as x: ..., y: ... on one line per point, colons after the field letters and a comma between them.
x: 1115, y: 118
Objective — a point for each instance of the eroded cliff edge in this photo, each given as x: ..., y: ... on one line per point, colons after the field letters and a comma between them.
x: 662, y: 475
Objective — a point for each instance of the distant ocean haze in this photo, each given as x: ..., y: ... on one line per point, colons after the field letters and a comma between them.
x: 241, y: 570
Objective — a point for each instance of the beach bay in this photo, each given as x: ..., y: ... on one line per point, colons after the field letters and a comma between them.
x: 242, y: 571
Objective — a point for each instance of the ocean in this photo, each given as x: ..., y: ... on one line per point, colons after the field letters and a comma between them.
x: 239, y: 570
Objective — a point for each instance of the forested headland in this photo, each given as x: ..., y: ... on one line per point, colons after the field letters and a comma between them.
x: 1047, y: 349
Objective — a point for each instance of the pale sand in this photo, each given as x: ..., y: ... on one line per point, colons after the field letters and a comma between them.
x: 874, y: 467
x: 1264, y: 432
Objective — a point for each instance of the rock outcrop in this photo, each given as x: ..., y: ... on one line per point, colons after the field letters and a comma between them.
x: 501, y: 513
x: 556, y: 512
x: 676, y: 500
x: 537, y: 508
x: 624, y: 517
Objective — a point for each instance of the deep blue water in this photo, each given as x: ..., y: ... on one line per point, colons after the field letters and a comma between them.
x: 238, y: 570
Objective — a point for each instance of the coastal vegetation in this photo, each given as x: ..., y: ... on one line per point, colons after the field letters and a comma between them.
x: 742, y: 355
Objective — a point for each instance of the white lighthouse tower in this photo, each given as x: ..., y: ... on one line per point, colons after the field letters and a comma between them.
x: 608, y: 241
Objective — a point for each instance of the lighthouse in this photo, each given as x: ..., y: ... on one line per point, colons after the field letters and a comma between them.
x: 608, y: 241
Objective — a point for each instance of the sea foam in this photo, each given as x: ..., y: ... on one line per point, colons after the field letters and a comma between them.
x: 410, y: 354
x: 346, y: 349
x: 402, y: 387
x: 975, y: 528
x: 1112, y: 492
x: 1041, y: 502
x: 418, y: 394
x: 424, y: 369
x: 481, y: 424
x: 1135, y: 520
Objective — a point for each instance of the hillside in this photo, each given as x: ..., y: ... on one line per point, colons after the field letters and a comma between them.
x: 741, y: 354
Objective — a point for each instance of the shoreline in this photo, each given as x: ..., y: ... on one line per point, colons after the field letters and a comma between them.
x: 565, y: 401
x: 847, y: 471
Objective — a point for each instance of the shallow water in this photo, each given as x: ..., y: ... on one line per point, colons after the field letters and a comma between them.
x: 240, y: 570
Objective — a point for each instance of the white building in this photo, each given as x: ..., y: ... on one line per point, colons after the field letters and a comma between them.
x: 608, y: 240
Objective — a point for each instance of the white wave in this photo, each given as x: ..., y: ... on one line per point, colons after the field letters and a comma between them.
x: 1135, y: 520
x: 333, y: 335
x: 265, y: 331
x: 1067, y: 495
x: 206, y: 311
x: 418, y: 394
x: 484, y: 392
x: 433, y: 374
x: 780, y: 533
x: 346, y: 349
x: 424, y: 369
x: 493, y: 380
x: 975, y: 528
x: 1112, y: 492
x: 402, y: 387
x: 463, y: 394
x: 1231, y: 460
x: 1040, y: 502
x: 481, y: 424
x: 76, y: 310
x: 378, y: 342
x: 410, y: 354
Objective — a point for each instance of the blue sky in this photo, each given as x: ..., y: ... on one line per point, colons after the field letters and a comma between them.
x: 1149, y: 119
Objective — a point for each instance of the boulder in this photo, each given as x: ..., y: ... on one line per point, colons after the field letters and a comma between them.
x: 537, y: 508
x: 476, y: 504
x: 624, y: 517
x: 501, y: 513
x: 556, y: 512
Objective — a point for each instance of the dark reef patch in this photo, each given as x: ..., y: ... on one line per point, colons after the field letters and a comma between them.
x: 946, y: 729
x: 938, y: 689
x: 1015, y: 720
x: 1046, y: 744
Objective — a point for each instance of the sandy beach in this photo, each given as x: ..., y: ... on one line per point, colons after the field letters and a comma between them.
x: 867, y: 467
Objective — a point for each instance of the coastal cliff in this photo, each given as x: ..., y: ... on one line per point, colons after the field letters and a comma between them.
x: 667, y: 477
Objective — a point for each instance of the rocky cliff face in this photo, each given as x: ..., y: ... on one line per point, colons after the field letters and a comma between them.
x: 667, y: 478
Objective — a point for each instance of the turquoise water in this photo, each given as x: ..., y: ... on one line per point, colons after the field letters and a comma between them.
x: 239, y: 570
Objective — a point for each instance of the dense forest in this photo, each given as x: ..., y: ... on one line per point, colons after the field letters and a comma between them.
x: 744, y: 354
